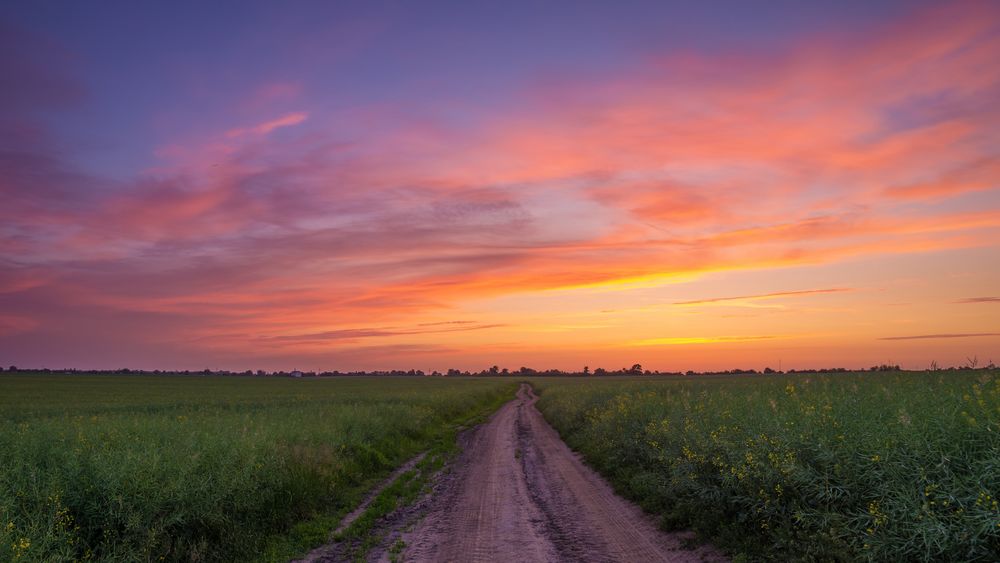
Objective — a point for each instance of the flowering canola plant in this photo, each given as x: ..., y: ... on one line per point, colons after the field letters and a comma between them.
x: 871, y: 466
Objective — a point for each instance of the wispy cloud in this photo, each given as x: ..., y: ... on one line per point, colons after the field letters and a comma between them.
x: 269, y: 126
x: 979, y: 300
x: 683, y: 340
x: 760, y: 296
x: 357, y: 333
x: 940, y: 336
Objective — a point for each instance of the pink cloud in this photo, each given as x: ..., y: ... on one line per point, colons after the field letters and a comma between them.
x: 268, y: 126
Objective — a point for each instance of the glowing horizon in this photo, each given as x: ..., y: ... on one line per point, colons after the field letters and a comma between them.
x: 402, y: 188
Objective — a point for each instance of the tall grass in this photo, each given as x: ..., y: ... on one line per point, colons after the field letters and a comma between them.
x: 128, y: 468
x: 879, y: 467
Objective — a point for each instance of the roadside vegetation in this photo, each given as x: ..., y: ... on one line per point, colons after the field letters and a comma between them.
x: 144, y: 468
x: 887, y: 466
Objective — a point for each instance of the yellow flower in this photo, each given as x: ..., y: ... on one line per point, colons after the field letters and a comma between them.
x: 881, y: 518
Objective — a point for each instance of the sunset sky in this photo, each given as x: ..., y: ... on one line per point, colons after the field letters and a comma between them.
x: 367, y: 185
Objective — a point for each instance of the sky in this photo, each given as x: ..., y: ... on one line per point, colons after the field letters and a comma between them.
x: 434, y: 185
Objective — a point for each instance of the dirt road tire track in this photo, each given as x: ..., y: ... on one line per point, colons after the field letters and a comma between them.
x: 518, y: 493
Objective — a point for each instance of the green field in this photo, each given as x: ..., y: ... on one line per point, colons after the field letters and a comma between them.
x: 868, y: 466
x: 878, y: 466
x: 142, y: 468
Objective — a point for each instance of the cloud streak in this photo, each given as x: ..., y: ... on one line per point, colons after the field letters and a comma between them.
x: 269, y: 126
x: 686, y: 340
x: 942, y: 336
x: 766, y: 296
x: 979, y: 300
x: 358, y: 333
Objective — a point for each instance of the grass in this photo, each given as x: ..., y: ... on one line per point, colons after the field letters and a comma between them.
x: 128, y: 468
x: 841, y: 467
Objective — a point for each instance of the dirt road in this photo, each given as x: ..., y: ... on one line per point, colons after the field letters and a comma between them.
x: 518, y: 493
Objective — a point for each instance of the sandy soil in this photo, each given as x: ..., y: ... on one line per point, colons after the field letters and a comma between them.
x: 518, y: 493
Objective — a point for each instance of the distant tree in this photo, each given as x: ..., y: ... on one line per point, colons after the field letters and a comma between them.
x: 636, y: 369
x: 586, y: 370
x: 973, y: 362
x: 768, y: 370
x: 494, y: 370
x: 600, y: 371
x: 505, y: 371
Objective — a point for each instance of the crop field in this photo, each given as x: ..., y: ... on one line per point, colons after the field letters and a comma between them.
x: 852, y: 466
x: 878, y: 466
x: 127, y: 468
